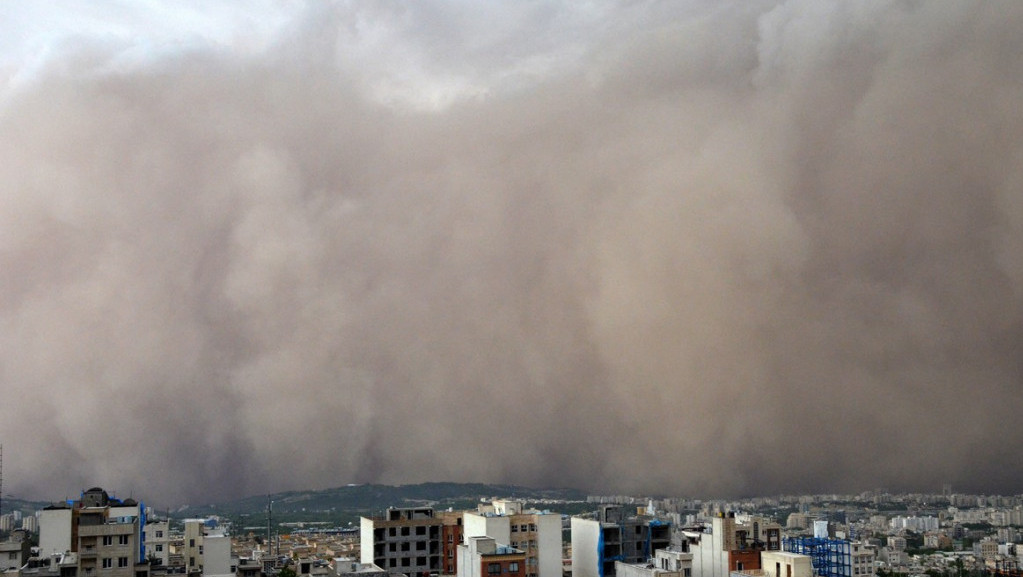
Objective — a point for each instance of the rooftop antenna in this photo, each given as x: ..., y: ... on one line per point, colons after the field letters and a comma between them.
x: 269, y: 518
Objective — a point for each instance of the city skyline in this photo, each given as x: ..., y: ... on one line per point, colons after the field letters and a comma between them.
x: 631, y: 247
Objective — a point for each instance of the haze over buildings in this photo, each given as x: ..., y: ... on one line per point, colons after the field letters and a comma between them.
x: 651, y: 247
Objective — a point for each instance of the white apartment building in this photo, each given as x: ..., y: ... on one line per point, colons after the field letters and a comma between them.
x: 30, y: 524
x: 484, y: 553
x: 206, y: 548
x: 785, y: 564
x: 14, y: 552
x: 55, y: 530
x: 918, y: 524
x: 157, y: 537
x: 655, y: 569
x: 537, y: 533
x: 674, y: 560
x: 217, y: 561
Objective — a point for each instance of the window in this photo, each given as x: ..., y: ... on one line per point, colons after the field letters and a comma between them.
x: 12, y: 555
x: 108, y: 540
x: 493, y: 569
x: 514, y: 528
x: 393, y: 531
x: 392, y: 547
x: 532, y: 526
x: 200, y: 549
x: 108, y: 563
x: 392, y: 562
x: 687, y: 572
x: 405, y: 532
x: 122, y: 561
x: 191, y: 542
x: 159, y: 534
x: 159, y: 547
x: 122, y: 539
x: 523, y: 528
x: 421, y: 530
x: 513, y: 567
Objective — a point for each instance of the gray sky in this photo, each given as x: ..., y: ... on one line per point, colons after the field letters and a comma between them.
x: 690, y: 248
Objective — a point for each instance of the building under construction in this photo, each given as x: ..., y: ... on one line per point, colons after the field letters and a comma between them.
x: 829, y: 557
x: 615, y: 536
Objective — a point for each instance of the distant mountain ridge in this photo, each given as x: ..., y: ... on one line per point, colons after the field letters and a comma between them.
x: 370, y: 498
x: 26, y: 506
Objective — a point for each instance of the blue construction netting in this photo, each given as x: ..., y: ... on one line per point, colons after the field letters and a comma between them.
x: 829, y: 557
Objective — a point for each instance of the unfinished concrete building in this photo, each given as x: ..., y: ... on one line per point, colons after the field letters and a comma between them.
x: 403, y: 541
x: 598, y: 543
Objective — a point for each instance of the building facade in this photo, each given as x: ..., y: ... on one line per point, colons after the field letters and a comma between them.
x: 537, y: 533
x: 104, y: 534
x: 484, y: 557
x: 830, y: 557
x: 785, y: 564
x: 451, y: 537
x: 598, y: 543
x: 15, y: 552
x: 731, y: 546
x: 158, y: 541
x: 403, y: 540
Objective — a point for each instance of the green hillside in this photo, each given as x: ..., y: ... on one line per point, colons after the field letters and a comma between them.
x: 342, y: 505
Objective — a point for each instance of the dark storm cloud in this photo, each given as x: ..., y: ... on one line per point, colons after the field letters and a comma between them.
x: 710, y: 248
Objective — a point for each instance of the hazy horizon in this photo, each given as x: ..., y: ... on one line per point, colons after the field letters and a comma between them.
x: 708, y: 498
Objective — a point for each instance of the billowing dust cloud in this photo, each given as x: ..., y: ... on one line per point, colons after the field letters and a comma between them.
x: 703, y: 249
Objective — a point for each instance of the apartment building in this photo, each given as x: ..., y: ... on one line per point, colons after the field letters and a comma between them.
x: 108, y: 535
x: 785, y: 564
x: 15, y: 551
x: 158, y: 541
x: 192, y: 548
x: 864, y: 559
x: 537, y: 533
x: 666, y: 563
x: 484, y: 557
x: 403, y: 540
x: 451, y: 537
x: 598, y: 543
x: 732, y: 546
